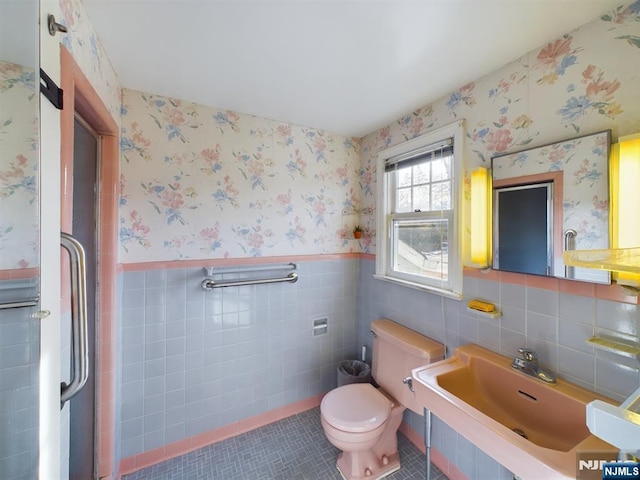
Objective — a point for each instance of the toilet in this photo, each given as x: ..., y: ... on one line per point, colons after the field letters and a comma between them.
x: 361, y: 420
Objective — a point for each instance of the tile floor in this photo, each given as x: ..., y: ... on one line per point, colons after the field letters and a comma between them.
x: 294, y: 448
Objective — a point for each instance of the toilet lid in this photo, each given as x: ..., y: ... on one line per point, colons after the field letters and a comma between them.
x: 358, y: 407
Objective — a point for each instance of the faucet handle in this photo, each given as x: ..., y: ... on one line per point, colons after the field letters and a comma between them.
x: 528, y: 354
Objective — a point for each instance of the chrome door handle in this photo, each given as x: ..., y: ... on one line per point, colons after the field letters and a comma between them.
x: 79, y: 333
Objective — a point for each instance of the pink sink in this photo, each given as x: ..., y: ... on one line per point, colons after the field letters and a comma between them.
x: 535, y: 429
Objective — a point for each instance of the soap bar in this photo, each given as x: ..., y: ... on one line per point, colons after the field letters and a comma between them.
x: 482, y: 306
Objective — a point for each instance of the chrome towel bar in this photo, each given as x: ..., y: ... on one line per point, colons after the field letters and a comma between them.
x: 211, y: 271
x: 210, y: 283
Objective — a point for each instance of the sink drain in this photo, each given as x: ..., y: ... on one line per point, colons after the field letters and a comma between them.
x: 519, y: 432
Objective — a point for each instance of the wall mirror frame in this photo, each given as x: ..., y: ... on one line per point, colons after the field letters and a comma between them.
x: 19, y: 154
x: 550, y: 199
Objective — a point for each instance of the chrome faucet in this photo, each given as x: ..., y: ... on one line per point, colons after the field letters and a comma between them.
x: 528, y: 364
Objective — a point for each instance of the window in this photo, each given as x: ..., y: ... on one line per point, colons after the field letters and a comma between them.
x: 418, y: 212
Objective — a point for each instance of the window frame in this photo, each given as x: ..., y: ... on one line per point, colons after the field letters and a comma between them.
x: 384, y: 218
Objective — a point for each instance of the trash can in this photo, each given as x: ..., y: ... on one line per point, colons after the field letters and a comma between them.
x: 353, y: 371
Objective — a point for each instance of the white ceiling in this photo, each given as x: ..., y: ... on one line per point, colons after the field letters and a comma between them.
x: 346, y: 66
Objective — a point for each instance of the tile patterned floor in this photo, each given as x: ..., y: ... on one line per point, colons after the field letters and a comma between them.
x: 294, y: 448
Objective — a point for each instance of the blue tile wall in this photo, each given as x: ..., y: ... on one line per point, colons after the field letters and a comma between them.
x: 19, y: 361
x: 556, y: 325
x: 193, y: 360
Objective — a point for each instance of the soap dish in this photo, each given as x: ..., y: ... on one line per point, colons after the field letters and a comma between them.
x: 615, y: 346
x: 484, y: 309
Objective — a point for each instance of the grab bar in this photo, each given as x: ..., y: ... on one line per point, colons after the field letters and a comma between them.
x: 209, y: 283
x: 249, y: 268
x: 79, y: 333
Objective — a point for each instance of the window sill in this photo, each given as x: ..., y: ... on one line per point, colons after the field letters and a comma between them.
x: 419, y: 286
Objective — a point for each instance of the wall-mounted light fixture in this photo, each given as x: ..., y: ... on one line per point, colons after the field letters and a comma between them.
x: 481, y: 217
x: 625, y: 200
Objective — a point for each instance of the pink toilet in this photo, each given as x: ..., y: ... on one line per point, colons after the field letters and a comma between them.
x: 363, y: 421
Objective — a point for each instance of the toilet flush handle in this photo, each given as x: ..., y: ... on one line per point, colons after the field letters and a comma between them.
x: 409, y: 382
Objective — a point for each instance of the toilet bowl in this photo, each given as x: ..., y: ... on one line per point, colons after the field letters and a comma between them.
x: 361, y: 420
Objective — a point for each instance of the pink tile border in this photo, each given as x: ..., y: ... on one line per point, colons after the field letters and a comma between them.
x: 225, y: 262
x: 605, y: 292
x: 19, y: 273
x: 146, y: 459
x: 413, y: 436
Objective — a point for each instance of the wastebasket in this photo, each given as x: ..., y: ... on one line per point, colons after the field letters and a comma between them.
x: 353, y: 371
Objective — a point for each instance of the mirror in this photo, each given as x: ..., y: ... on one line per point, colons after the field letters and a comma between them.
x: 19, y: 154
x: 550, y: 199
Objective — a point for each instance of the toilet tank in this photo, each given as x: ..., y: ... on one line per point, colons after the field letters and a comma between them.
x: 396, y: 351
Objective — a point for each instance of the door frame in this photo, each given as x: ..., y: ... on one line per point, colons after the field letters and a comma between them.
x: 80, y: 96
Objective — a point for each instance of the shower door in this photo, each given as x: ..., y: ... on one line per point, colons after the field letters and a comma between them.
x: 83, y: 405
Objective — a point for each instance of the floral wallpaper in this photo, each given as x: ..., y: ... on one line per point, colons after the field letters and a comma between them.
x: 584, y: 82
x: 19, y: 207
x: 198, y: 182
x: 84, y: 45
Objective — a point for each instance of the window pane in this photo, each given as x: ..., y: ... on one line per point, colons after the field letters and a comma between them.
x: 421, y: 173
x: 404, y: 177
x: 421, y: 247
x: 441, y: 199
x: 421, y: 198
x: 403, y: 200
x: 441, y: 169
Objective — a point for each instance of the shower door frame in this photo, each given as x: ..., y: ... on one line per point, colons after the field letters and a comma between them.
x: 81, y: 97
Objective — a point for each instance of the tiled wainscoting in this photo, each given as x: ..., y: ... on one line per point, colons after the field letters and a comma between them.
x: 195, y: 361
x: 19, y: 360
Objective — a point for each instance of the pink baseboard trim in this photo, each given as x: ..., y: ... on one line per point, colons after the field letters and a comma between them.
x: 146, y: 459
x: 225, y: 262
x: 439, y: 460
x: 413, y: 436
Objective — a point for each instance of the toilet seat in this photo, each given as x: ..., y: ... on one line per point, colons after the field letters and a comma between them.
x: 358, y: 407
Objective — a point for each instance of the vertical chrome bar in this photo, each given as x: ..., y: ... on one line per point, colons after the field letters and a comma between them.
x: 79, y: 334
x: 427, y: 443
x: 569, y: 244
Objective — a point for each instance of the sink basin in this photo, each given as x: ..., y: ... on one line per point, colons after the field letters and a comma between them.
x: 533, y: 428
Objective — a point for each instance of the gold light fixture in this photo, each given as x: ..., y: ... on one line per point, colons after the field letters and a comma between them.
x: 625, y: 201
x: 480, y: 217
